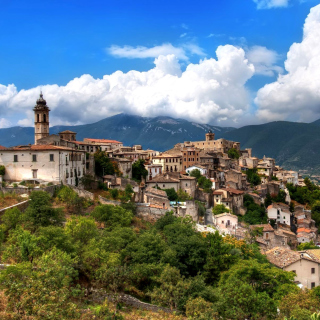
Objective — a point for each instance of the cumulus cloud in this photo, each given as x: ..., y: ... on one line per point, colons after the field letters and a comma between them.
x: 141, y: 52
x: 4, y: 123
x: 210, y: 91
x: 264, y: 60
x: 268, y: 4
x: 296, y: 95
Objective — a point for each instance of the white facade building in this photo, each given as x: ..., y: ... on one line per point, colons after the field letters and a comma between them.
x: 202, y: 169
x: 279, y: 212
x: 43, y: 162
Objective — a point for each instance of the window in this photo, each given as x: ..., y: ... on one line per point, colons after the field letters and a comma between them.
x: 35, y: 174
x: 44, y: 118
x: 34, y: 158
x: 313, y: 284
x: 163, y: 185
x: 15, y: 158
x: 51, y: 157
x: 313, y: 270
x: 294, y: 271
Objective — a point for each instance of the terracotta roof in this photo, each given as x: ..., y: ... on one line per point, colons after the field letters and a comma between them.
x: 182, y: 177
x: 164, y: 179
x: 235, y: 191
x: 102, y: 140
x: 282, y: 257
x: 167, y: 156
x: 2, y: 148
x: 40, y: 147
x: 314, y: 252
x: 217, y: 192
x: 67, y: 131
x: 303, y: 230
x: 156, y: 192
x: 266, y: 227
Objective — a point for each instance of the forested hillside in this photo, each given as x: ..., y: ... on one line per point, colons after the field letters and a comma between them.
x: 62, y: 249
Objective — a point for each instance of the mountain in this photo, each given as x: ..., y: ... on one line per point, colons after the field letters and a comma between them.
x: 293, y: 145
x: 158, y: 133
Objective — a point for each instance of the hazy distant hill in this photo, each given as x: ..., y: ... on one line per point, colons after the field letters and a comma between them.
x: 160, y: 133
x: 293, y: 145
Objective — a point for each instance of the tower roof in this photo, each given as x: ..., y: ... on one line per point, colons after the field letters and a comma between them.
x: 41, y: 103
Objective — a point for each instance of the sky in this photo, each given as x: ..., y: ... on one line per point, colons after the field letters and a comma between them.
x: 227, y: 63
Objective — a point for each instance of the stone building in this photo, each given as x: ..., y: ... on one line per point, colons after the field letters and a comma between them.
x: 305, y: 264
x: 231, y: 199
x: 41, y: 119
x: 43, y: 162
x: 169, y: 162
x: 190, y: 156
x: 176, y: 181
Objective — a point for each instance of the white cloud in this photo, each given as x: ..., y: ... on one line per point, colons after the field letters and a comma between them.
x: 141, y: 52
x: 296, y: 95
x: 144, y: 52
x: 208, y: 92
x: 4, y: 123
x: 183, y: 35
x: 268, y: 4
x: 264, y: 60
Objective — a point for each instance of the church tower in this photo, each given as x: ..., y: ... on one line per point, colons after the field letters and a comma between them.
x: 209, y: 136
x: 41, y: 119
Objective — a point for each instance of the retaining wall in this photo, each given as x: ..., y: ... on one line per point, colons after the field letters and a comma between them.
x: 19, y: 190
x: 82, y: 192
x: 129, y: 301
x: 107, y: 201
x: 21, y: 206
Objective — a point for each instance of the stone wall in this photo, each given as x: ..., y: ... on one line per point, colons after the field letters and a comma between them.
x: 22, y: 206
x: 128, y: 300
x: 82, y: 192
x: 204, y: 197
x: 150, y: 214
x: 108, y: 201
x: 19, y: 190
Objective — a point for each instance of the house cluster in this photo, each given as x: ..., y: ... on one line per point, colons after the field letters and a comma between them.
x: 62, y: 158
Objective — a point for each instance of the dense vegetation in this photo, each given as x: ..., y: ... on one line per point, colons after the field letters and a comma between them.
x: 256, y: 214
x: 55, y: 259
x: 202, y: 181
x: 308, y: 195
x: 104, y: 165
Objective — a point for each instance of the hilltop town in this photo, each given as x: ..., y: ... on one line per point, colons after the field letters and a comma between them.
x: 221, y: 187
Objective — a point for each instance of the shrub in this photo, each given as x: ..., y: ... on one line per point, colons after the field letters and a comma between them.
x: 2, y: 170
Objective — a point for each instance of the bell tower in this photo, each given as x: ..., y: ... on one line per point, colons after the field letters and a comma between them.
x: 41, y: 119
x: 209, y: 136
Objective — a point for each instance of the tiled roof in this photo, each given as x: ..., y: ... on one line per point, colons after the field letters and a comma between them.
x: 231, y: 190
x: 102, y: 140
x: 266, y: 227
x: 225, y: 214
x: 2, y: 148
x: 156, y: 192
x: 282, y: 257
x: 217, y: 192
x: 303, y: 230
x: 314, y: 252
x: 163, y: 178
x: 67, y: 131
x: 40, y: 147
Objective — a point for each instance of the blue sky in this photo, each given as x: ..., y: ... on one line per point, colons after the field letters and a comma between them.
x: 49, y: 43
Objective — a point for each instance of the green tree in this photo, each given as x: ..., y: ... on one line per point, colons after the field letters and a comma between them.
x: 42, y: 289
x: 81, y: 229
x: 103, y: 164
x: 268, y: 200
x: 183, y: 196
x: 11, y: 218
x: 219, y: 208
x: 196, y: 173
x: 138, y: 170
x: 171, y: 194
x: 40, y: 212
x: 112, y: 216
x: 250, y: 290
x: 233, y: 153
x: 173, y: 287
x: 307, y: 246
x: 253, y: 177
x: 2, y: 170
